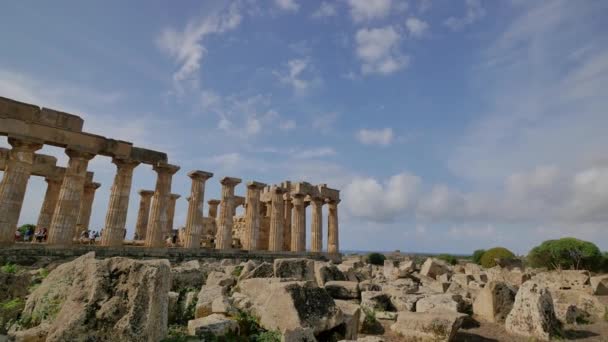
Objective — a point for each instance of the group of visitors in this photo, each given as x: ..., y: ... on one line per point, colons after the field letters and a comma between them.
x: 89, y: 237
x: 29, y: 233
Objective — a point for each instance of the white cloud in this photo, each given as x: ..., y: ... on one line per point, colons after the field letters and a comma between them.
x: 326, y: 9
x: 313, y: 153
x: 474, y: 12
x: 324, y: 122
x: 378, y: 49
x: 381, y: 202
x: 293, y: 76
x: 416, y: 27
x: 364, y: 10
x: 287, y: 5
x: 382, y: 137
x: 186, y: 46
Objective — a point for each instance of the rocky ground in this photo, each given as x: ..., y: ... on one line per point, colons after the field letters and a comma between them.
x: 120, y: 299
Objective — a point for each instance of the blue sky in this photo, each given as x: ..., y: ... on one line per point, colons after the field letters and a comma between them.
x: 447, y: 125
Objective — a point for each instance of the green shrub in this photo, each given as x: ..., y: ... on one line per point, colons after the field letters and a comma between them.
x: 268, y: 336
x: 450, y: 259
x: 376, y: 259
x: 477, y: 254
x: 237, y: 271
x: 487, y: 259
x: 566, y: 253
x: 9, y: 268
x: 25, y: 227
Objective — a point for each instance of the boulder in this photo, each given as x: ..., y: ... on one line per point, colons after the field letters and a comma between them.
x: 128, y: 298
x: 599, y: 285
x: 297, y: 269
x: 433, y: 326
x: 173, y: 307
x: 406, y: 267
x: 206, y: 296
x: 213, y: 325
x: 349, y: 272
x: 189, y: 274
x: 494, y: 302
x: 220, y: 278
x: 369, y: 285
x: 222, y: 305
x: 376, y: 300
x: 512, y: 277
x: 325, y: 272
x: 434, y: 267
x: 441, y: 302
x: 462, y: 279
x: 405, y: 302
x: 14, y: 285
x: 573, y: 306
x: 263, y: 270
x: 533, y: 314
x: 343, y: 289
x: 564, y: 280
x: 351, y: 314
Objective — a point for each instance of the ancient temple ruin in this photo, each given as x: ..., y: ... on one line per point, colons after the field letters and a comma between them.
x: 274, y: 215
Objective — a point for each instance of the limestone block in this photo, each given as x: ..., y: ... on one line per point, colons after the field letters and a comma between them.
x: 405, y: 302
x: 351, y: 314
x: 222, y: 305
x: 296, y: 268
x: 472, y: 269
x: 343, y: 289
x: 172, y: 306
x: 511, y: 277
x: 216, y: 325
x: 533, y: 314
x: 462, y: 279
x: 325, y: 272
x: 187, y: 274
x: 444, y: 278
x: 376, y: 300
x: 599, y: 284
x: 571, y: 305
x: 435, y: 326
x: 434, y: 267
x: 206, y: 296
x: 441, y: 302
x: 564, y: 280
x: 264, y: 270
x: 368, y: 285
x: 494, y: 302
x: 220, y: 278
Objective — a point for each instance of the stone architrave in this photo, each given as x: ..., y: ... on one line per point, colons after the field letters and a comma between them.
x: 333, y: 245
x: 143, y: 214
x: 49, y: 202
x: 84, y: 215
x: 65, y: 216
x: 223, y: 239
x: 316, y: 226
x: 298, y: 229
x: 194, y: 221
x: 171, y: 213
x: 160, y: 205
x: 116, y: 218
x: 213, y: 205
x: 288, y: 206
x: 252, y: 216
x: 275, y: 242
x: 14, y: 183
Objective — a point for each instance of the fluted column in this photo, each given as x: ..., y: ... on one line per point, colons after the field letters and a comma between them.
x: 84, y: 214
x: 213, y: 204
x: 252, y: 216
x: 158, y: 216
x: 66, y: 211
x: 333, y: 245
x: 298, y: 231
x: 194, y: 221
x: 143, y: 214
x: 171, y: 213
x: 287, y: 207
x: 49, y: 202
x: 316, y: 226
x: 14, y: 183
x: 275, y: 241
x: 223, y: 239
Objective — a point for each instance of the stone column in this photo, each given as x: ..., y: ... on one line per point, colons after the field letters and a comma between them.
x: 84, y: 215
x: 14, y: 183
x: 171, y: 213
x: 287, y: 207
x: 252, y: 216
x: 158, y: 217
x: 116, y: 218
x: 316, y: 226
x: 298, y: 231
x: 275, y: 242
x: 143, y: 214
x: 49, y: 203
x: 66, y: 212
x: 333, y: 245
x: 223, y: 239
x: 213, y: 204
x: 194, y: 221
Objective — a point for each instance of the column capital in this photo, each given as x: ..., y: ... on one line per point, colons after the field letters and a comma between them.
x: 146, y: 193
x: 230, y: 181
x: 25, y: 143
x: 213, y: 202
x: 174, y: 196
x: 332, y: 201
x: 255, y: 185
x: 165, y: 168
x: 79, y: 154
x: 297, y: 199
x: 92, y: 186
x: 277, y: 190
x: 200, y: 175
x: 314, y: 199
x: 125, y: 163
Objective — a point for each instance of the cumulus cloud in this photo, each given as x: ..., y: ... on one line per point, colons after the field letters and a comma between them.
x: 326, y: 9
x: 378, y: 49
x: 294, y: 75
x: 364, y: 10
x: 287, y: 5
x: 382, y: 137
x: 324, y: 122
x: 380, y: 202
x: 416, y: 27
x: 474, y: 12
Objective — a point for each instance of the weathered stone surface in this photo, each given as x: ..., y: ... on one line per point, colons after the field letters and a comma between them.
x: 435, y: 326
x: 188, y: 274
x: 442, y: 302
x: 406, y: 302
x: 434, y: 267
x: 297, y: 268
x: 513, y: 277
x: 462, y: 279
x: 172, y: 306
x: 573, y: 305
x: 128, y: 298
x: 376, y: 300
x: 14, y: 285
x: 533, y: 314
x: 494, y: 302
x: 220, y: 279
x: 343, y: 289
x: 222, y: 305
x: 564, y: 280
x: 599, y: 284
x: 216, y: 325
x: 325, y: 272
x: 264, y: 270
x: 206, y: 296
x: 351, y: 314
